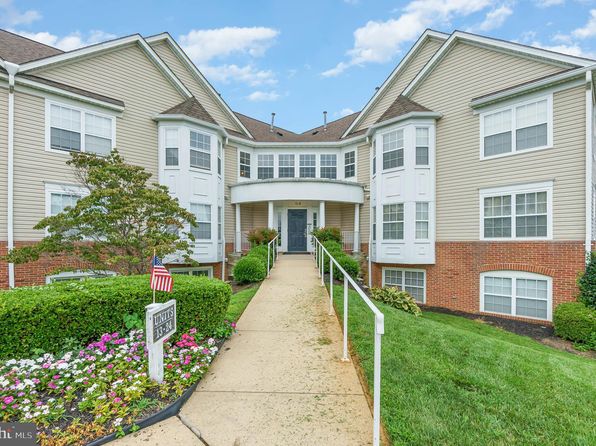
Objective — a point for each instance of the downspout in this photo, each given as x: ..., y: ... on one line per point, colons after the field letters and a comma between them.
x: 589, y: 159
x: 12, y: 70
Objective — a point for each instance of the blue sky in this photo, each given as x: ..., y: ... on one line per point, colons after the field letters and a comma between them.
x: 300, y: 58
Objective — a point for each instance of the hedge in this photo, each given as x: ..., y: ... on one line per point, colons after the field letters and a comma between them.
x: 44, y: 317
x: 250, y: 269
x: 348, y: 263
x: 575, y: 321
x: 261, y: 252
x: 327, y: 233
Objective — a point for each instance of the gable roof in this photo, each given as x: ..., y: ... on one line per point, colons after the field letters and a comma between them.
x: 261, y: 131
x: 565, y: 61
x: 192, y: 108
x: 335, y: 129
x: 18, y: 49
x: 400, y: 107
x: 424, y: 37
x: 197, y: 73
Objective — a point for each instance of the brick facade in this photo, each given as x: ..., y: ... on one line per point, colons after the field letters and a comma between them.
x: 454, y: 280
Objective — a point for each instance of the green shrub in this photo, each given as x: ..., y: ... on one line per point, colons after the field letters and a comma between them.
x: 261, y: 236
x: 260, y: 251
x: 333, y: 247
x: 587, y: 283
x: 45, y: 317
x: 348, y: 263
x: 575, y: 321
x: 327, y: 233
x: 397, y: 299
x: 250, y: 269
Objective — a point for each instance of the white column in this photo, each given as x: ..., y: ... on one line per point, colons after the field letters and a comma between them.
x: 238, y: 235
x: 356, y: 228
x: 321, y: 214
x: 270, y: 223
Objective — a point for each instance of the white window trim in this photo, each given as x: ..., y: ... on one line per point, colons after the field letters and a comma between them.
x: 251, y: 155
x: 403, y: 222
x: 279, y: 166
x: 546, y: 186
x: 274, y: 166
x: 210, y: 152
x: 82, y: 111
x: 402, y: 270
x: 428, y: 228
x: 512, y: 106
x: 79, y: 274
x: 203, y: 240
x: 428, y: 146
x: 355, y: 164
x: 320, y: 165
x: 56, y: 188
x: 209, y: 270
x: 165, y: 146
x: 299, y: 155
x: 514, y: 275
x: 403, y: 129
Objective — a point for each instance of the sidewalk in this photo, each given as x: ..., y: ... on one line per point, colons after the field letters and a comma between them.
x: 279, y: 380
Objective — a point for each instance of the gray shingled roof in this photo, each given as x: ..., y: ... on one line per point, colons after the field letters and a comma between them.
x: 18, y: 49
x: 402, y: 106
x: 192, y: 108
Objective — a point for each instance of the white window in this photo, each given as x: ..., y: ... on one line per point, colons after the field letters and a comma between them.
x: 202, y: 214
x: 412, y: 281
x: 421, y: 221
x: 393, y: 149
x: 315, y: 220
x: 69, y: 276
x: 422, y: 145
x: 219, y: 223
x: 393, y: 221
x: 172, y: 147
x: 265, y: 166
x: 206, y: 271
x: 350, y: 164
x: 73, y: 129
x: 219, y: 156
x: 517, y: 294
x: 61, y: 196
x: 517, y: 128
x: 329, y: 166
x: 286, y: 166
x: 374, y: 223
x: 520, y: 212
x: 245, y: 164
x: 200, y: 150
x: 308, y: 166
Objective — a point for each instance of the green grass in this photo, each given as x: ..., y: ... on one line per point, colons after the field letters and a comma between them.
x: 451, y: 380
x: 239, y: 302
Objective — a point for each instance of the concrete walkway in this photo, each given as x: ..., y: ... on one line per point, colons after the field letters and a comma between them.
x: 279, y: 380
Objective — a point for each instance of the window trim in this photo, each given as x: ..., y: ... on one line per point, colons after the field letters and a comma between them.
x: 191, y: 148
x: 514, y: 190
x: 240, y: 163
x: 514, y: 275
x: 300, y: 166
x: 321, y: 166
x: 165, y: 147
x: 178, y: 270
x: 403, y: 270
x: 82, y: 110
x: 512, y: 106
x: 402, y: 148
x: 280, y: 167
x: 403, y: 222
x: 203, y: 240
x: 354, y: 151
x: 272, y: 154
x: 427, y: 221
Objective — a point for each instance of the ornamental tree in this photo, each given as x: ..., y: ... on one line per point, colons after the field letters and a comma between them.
x: 118, y: 224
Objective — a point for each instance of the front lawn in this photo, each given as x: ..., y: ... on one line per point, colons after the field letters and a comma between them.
x: 451, y: 380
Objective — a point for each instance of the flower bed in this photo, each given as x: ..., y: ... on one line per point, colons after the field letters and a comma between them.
x: 91, y: 393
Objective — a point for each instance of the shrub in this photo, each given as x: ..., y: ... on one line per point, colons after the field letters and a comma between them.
x: 44, y: 317
x: 261, y: 253
x: 397, y: 299
x: 327, y: 233
x: 587, y: 283
x: 348, y: 263
x: 333, y: 247
x: 250, y: 269
x: 261, y: 236
x: 575, y: 321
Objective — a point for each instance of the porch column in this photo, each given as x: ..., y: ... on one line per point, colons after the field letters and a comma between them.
x: 238, y: 235
x: 270, y: 223
x: 356, y: 228
x: 321, y: 214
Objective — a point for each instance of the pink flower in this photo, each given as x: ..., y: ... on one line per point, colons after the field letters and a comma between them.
x: 117, y: 399
x: 110, y: 366
x: 46, y: 365
x: 56, y: 377
x: 52, y: 385
x: 8, y: 399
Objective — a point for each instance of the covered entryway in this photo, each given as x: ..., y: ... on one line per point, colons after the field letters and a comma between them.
x: 297, y: 230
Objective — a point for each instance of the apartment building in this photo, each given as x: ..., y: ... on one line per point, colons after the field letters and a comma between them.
x: 467, y: 179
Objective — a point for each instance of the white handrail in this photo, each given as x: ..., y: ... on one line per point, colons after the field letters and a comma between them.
x: 320, y: 252
x: 275, y: 254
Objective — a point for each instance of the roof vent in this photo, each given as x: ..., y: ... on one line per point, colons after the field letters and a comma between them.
x: 377, y: 88
x: 272, y: 122
x: 324, y: 121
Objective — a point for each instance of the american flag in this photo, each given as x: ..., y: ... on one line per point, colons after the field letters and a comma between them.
x: 161, y: 280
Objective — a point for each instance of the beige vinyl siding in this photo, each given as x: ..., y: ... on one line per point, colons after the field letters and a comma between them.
x: 461, y: 173
x: 363, y: 177
x: 401, y: 81
x: 3, y: 160
x: 200, y: 91
x: 125, y: 74
x: 253, y: 215
x: 230, y: 177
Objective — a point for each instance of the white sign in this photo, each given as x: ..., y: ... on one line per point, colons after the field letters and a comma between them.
x: 160, y: 323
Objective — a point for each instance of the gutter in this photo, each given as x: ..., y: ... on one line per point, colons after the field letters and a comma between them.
x: 12, y: 70
x: 589, y: 157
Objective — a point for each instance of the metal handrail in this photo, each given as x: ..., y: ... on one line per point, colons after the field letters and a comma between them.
x: 320, y: 252
x: 270, y: 263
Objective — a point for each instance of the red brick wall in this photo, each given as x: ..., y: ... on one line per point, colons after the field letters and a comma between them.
x: 454, y: 280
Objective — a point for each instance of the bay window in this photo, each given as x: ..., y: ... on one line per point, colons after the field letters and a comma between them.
x: 393, y: 221
x: 329, y: 166
x: 349, y: 164
x: 422, y: 144
x: 171, y: 147
x: 245, y: 164
x: 200, y: 150
x: 265, y: 166
x: 286, y: 166
x: 393, y: 149
x: 308, y: 166
x: 422, y: 221
x: 202, y: 213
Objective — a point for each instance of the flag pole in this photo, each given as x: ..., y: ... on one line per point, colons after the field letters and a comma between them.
x: 152, y: 260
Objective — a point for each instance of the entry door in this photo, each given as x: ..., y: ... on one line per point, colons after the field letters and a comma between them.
x: 296, y: 230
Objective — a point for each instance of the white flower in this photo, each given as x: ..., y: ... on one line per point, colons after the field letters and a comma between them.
x: 117, y: 421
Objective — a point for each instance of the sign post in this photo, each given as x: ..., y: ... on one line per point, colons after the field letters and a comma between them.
x: 160, y: 323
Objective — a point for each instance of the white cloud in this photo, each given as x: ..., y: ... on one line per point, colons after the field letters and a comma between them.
x: 11, y: 16
x: 494, y: 18
x: 547, y: 3
x: 262, y: 96
x: 246, y: 74
x: 589, y: 29
x: 380, y: 41
x: 203, y: 45
x: 344, y: 112
x: 69, y: 42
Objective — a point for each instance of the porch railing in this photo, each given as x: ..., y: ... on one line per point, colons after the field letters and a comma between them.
x: 272, y: 253
x: 320, y: 253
